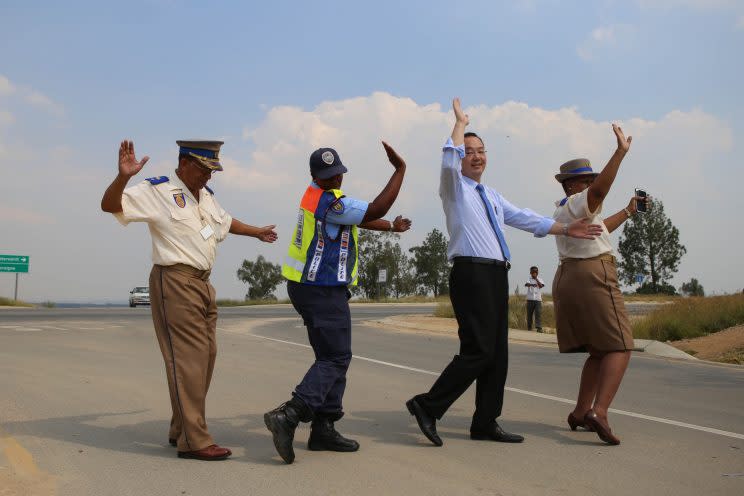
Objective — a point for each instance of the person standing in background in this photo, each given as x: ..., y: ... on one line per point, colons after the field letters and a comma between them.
x: 534, y: 299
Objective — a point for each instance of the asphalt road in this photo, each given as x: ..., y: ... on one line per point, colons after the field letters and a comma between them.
x: 84, y: 410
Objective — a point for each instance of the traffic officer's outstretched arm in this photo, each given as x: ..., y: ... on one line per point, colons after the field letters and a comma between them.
x: 400, y: 224
x: 265, y: 234
x: 380, y: 206
x: 128, y: 167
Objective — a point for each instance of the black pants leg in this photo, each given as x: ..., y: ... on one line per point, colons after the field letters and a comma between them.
x: 480, y: 298
x: 325, y: 312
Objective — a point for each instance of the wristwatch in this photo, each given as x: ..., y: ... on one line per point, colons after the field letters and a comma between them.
x: 565, y: 229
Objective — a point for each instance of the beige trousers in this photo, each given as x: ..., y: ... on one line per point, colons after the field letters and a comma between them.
x: 184, y: 312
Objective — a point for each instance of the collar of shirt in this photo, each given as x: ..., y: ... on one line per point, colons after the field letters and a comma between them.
x: 175, y: 183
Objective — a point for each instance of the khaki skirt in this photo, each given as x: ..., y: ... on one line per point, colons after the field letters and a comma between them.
x: 589, y: 308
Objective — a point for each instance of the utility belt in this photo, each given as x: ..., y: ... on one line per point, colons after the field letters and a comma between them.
x: 607, y: 257
x: 485, y: 261
x: 188, y: 270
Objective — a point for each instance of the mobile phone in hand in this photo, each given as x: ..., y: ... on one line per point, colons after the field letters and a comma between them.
x: 641, y: 205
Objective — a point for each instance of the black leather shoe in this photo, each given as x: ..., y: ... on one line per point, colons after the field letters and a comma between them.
x: 325, y: 437
x: 426, y: 422
x: 494, y: 432
x: 172, y: 441
x: 282, y: 422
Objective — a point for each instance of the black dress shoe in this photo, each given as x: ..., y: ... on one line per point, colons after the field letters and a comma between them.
x: 426, y: 422
x: 172, y: 441
x: 494, y: 432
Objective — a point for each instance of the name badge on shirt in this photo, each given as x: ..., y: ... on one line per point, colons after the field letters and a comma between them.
x: 207, y: 232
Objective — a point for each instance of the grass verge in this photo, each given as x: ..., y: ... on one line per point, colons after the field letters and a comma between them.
x: 226, y: 302
x: 517, y: 313
x: 7, y: 302
x: 691, y: 317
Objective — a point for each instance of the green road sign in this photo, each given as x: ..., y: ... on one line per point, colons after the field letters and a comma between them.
x: 13, y: 263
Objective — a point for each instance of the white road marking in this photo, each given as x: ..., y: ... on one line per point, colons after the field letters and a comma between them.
x: 661, y: 420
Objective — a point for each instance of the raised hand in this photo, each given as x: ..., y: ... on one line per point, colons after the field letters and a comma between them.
x: 401, y: 225
x: 581, y: 229
x: 394, y: 158
x: 623, y: 143
x: 267, y: 234
x: 128, y: 164
x: 461, y: 116
x: 633, y: 203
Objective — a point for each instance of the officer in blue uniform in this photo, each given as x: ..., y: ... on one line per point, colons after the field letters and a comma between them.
x: 321, y: 262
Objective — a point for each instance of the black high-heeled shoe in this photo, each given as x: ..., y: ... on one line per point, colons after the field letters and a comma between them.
x: 601, y: 427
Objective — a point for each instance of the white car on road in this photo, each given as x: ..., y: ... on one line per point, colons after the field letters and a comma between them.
x: 139, y: 296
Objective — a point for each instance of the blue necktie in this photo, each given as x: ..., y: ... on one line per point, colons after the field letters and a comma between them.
x: 494, y: 222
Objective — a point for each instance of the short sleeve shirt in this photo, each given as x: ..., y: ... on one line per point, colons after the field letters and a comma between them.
x: 534, y: 293
x: 347, y: 212
x: 577, y: 207
x: 183, y: 230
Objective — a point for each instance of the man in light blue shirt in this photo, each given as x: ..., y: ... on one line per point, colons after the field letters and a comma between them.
x: 479, y: 287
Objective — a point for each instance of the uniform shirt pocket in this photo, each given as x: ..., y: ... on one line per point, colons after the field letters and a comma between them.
x: 184, y: 220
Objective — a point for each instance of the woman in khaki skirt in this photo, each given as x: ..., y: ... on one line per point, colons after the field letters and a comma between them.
x: 589, y: 308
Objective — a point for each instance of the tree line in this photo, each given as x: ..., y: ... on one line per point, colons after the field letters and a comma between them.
x: 649, y: 252
x: 421, y: 270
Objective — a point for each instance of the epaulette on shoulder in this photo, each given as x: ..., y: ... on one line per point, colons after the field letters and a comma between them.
x: 157, y: 180
x: 209, y: 189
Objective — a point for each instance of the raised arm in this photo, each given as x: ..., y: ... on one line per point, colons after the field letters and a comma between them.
x: 601, y: 185
x: 380, y: 205
x: 398, y: 225
x: 461, y: 122
x: 128, y: 167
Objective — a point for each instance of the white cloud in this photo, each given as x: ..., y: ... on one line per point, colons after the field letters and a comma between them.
x: 684, y: 157
x: 10, y: 214
x: 30, y: 96
x: 680, y: 153
x: 604, y: 37
x: 6, y: 87
x: 6, y: 118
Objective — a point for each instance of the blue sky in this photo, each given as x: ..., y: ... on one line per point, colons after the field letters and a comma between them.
x: 276, y: 79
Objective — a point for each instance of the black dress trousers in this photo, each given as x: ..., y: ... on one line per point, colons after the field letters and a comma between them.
x: 325, y: 312
x: 480, y: 298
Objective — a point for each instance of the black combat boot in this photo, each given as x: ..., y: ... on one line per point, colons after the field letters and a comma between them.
x: 282, y: 422
x: 324, y: 437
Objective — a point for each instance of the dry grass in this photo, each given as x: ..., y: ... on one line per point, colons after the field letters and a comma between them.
x: 691, y: 317
x: 226, y: 302
x: 404, y: 299
x: 8, y: 302
x: 517, y: 313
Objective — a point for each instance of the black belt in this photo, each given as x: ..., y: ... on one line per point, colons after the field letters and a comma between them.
x: 485, y: 261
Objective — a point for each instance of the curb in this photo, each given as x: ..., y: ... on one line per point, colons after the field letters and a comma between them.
x: 648, y: 346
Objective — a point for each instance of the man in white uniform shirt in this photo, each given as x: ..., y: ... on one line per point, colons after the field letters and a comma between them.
x: 534, y: 299
x: 479, y: 288
x: 185, y: 223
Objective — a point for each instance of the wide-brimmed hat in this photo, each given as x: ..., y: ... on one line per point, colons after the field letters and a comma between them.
x: 206, y: 153
x: 575, y: 168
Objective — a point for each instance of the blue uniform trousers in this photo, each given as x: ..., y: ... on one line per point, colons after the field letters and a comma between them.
x: 325, y: 313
